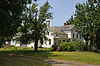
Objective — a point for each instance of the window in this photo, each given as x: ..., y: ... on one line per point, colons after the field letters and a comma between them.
x: 80, y: 36
x: 77, y: 36
x: 73, y: 35
x: 12, y: 40
x: 49, y: 41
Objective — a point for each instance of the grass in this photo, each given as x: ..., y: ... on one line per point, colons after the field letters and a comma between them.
x: 8, y: 57
x: 83, y: 57
x: 16, y: 61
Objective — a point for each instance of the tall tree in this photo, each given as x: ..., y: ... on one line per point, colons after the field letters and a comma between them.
x: 87, y: 22
x: 11, y: 17
x: 36, y: 23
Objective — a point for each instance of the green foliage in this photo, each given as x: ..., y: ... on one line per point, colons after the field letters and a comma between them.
x: 73, y: 46
x: 11, y: 10
x: 70, y: 21
x: 11, y: 13
x: 98, y: 50
x: 56, y: 45
x: 34, y: 26
x: 70, y: 46
x: 87, y: 20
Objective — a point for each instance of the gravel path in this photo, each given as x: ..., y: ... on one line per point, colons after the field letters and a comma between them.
x: 67, y: 63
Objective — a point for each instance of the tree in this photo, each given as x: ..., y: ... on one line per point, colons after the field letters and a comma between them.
x: 11, y: 13
x: 10, y: 17
x: 70, y: 21
x: 36, y: 23
x: 87, y: 22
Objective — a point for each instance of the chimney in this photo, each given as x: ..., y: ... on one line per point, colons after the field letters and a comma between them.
x: 64, y: 24
x: 48, y: 24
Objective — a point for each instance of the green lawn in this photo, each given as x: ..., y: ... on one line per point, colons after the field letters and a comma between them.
x: 8, y: 57
x: 17, y: 61
x: 83, y: 57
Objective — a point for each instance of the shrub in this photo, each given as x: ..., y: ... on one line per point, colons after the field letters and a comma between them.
x: 68, y: 46
x: 56, y: 45
x: 98, y: 50
x: 73, y: 46
x: 65, y: 46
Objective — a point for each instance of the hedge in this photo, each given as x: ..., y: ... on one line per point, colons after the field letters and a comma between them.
x: 71, y: 46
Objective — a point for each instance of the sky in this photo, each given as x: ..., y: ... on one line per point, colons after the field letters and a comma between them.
x: 62, y: 10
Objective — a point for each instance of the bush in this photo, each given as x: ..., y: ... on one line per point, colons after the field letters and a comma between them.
x: 73, y: 46
x: 65, y: 46
x: 98, y: 50
x: 56, y: 45
x: 68, y: 46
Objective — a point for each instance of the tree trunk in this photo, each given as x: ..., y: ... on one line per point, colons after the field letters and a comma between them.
x: 36, y: 45
x: 86, y: 42
x: 98, y: 41
x: 93, y: 42
x: 1, y: 42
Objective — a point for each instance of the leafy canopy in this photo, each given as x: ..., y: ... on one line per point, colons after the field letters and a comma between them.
x: 34, y: 27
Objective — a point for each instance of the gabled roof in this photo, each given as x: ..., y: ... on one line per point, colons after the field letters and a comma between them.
x: 60, y: 29
x: 64, y: 28
x: 56, y: 31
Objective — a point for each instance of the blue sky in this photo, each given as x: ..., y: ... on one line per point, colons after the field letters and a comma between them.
x: 62, y: 10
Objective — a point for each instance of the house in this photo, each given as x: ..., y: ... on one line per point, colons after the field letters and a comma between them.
x: 64, y: 33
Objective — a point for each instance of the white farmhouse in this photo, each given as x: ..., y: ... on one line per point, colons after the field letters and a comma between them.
x: 64, y: 33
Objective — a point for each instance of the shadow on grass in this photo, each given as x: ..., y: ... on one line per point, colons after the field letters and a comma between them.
x: 39, y: 56
x: 40, y: 53
x: 20, y: 61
